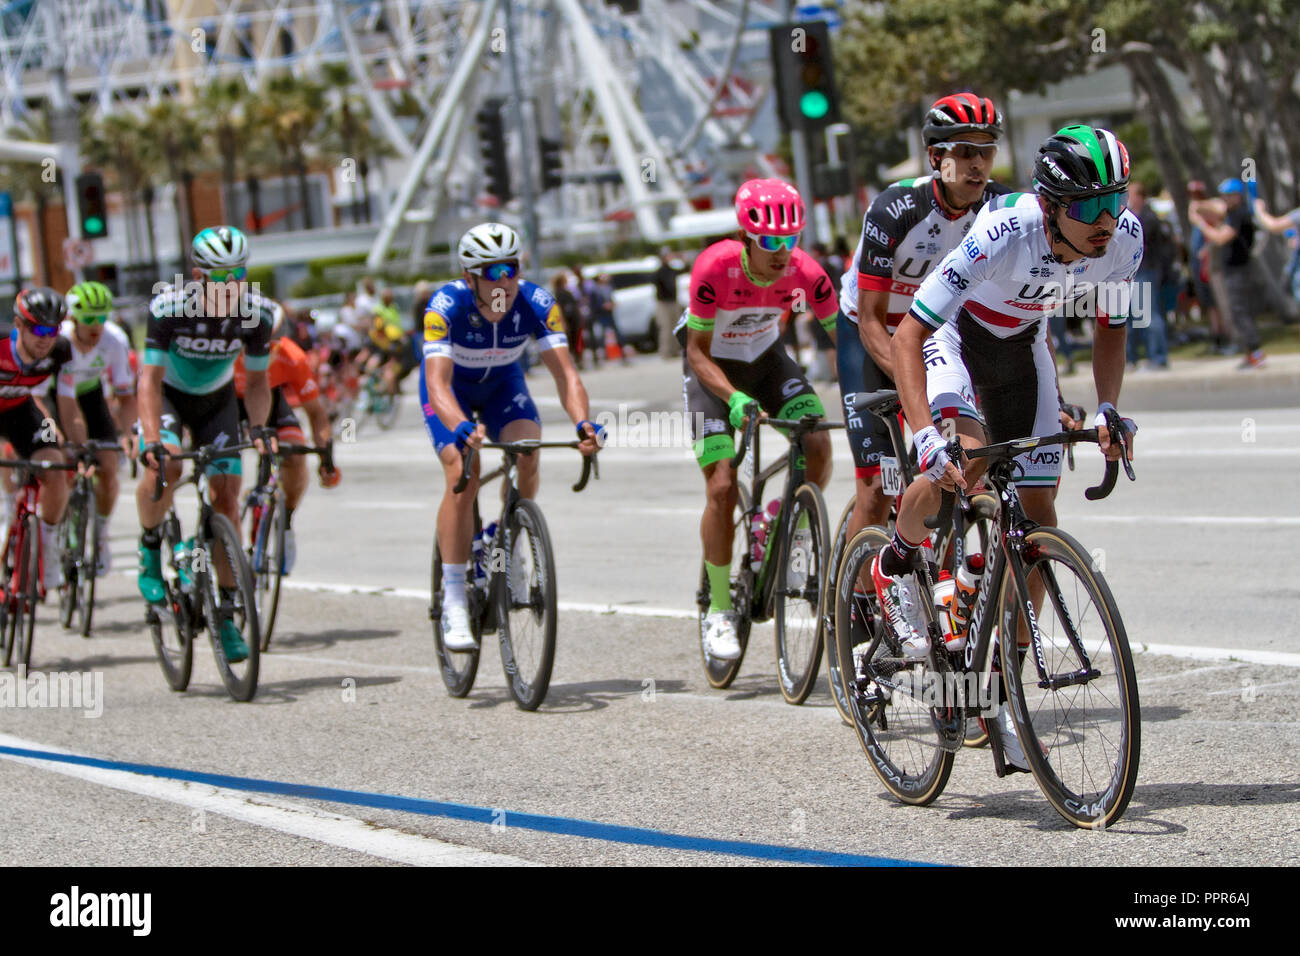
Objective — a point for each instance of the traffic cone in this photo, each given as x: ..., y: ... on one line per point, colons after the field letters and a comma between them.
x: 612, y: 351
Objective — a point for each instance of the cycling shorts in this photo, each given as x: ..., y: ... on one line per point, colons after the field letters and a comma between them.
x: 774, y: 380
x: 502, y: 399
x: 858, y: 372
x: 26, y: 428
x: 212, y: 418
x: 1015, y: 382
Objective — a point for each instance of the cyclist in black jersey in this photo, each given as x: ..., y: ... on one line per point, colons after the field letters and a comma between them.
x: 906, y: 231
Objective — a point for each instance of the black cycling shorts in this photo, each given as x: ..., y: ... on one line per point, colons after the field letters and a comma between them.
x: 212, y: 419
x: 26, y: 428
x: 858, y: 372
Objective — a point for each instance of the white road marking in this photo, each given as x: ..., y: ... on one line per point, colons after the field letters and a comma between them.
x: 1186, y: 652
x: 272, y: 813
x: 1181, y: 519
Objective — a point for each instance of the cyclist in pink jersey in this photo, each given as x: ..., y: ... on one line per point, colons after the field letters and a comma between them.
x: 732, y: 356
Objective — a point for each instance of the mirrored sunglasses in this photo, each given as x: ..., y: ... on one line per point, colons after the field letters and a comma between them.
x: 222, y: 275
x: 1089, y: 210
x: 41, y: 331
x: 93, y: 319
x: 968, y: 150
x: 496, y: 271
x: 775, y: 243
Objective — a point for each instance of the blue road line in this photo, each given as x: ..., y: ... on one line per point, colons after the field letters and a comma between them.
x: 568, y: 826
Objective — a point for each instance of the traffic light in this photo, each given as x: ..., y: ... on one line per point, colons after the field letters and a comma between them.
x: 492, y: 147
x: 805, y: 75
x: 552, y: 166
x: 92, y: 208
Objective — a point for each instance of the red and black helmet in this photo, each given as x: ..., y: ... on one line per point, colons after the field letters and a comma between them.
x: 40, y: 306
x: 961, y: 113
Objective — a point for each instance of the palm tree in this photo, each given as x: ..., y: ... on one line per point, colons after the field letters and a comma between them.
x: 290, y: 110
x: 349, y: 134
x: 226, y: 104
x: 117, y: 142
x: 172, y: 131
x: 36, y: 182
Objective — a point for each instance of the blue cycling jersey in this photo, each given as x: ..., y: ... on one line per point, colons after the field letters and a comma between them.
x: 454, y: 328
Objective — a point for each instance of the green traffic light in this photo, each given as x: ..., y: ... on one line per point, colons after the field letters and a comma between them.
x: 93, y: 226
x: 814, y: 104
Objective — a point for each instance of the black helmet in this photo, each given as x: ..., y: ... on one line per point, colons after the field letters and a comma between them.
x: 1081, y: 161
x: 40, y: 306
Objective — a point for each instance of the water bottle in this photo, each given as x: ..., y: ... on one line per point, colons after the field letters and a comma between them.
x: 761, y: 523
x: 945, y: 599
x: 969, y: 573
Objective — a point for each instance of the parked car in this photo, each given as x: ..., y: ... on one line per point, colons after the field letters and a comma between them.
x: 634, y: 298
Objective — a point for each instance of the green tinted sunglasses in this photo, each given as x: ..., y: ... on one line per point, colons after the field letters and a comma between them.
x: 93, y: 319
x: 221, y: 275
x: 1089, y: 210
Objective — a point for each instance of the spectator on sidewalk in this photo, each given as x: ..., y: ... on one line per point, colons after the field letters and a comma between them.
x: 601, y: 304
x: 1148, y: 322
x: 367, y: 301
x: 667, y: 309
x: 1205, y: 266
x: 1288, y: 226
x: 568, y: 304
x: 1235, y: 237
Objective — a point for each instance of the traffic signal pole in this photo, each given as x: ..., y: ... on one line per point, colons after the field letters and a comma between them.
x: 531, y: 238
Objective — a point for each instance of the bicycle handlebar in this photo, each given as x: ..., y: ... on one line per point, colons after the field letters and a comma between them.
x: 204, y: 456
x: 526, y: 447
x: 797, y: 427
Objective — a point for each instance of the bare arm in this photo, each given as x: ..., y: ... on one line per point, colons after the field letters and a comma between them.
x: 710, y: 374
x: 1274, y: 224
x: 573, y: 394
x: 257, y: 397
x: 150, y: 402
x: 1108, y: 372
x: 873, y: 305
x: 319, y: 420
x: 74, y: 424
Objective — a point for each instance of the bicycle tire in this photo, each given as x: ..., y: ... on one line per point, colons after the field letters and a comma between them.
x: 800, y: 571
x: 87, y: 575
x: 270, y: 549
x: 172, y: 629
x: 896, y: 731
x: 458, y: 668
x: 386, y: 415
x: 28, y: 590
x: 72, y: 534
x: 7, y: 629
x: 838, y: 545
x: 1047, y: 717
x: 240, y: 679
x: 721, y: 673
x: 984, y: 508
x: 527, y: 659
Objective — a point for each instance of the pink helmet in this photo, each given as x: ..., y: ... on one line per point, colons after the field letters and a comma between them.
x: 769, y: 207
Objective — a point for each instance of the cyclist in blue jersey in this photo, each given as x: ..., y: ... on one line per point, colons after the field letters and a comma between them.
x: 475, y: 330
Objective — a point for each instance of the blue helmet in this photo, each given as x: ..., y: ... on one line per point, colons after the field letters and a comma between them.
x: 1230, y: 186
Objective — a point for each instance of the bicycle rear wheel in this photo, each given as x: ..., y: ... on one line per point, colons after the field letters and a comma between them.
x: 801, y: 569
x: 458, y: 667
x: 72, y: 538
x: 838, y: 546
x: 240, y: 607
x: 886, y: 693
x: 172, y: 627
x: 1082, y: 733
x: 8, y: 633
x: 28, y: 590
x: 526, y: 592
x: 721, y: 673
x: 268, y: 563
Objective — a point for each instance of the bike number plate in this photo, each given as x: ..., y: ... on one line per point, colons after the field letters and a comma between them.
x: 891, y: 476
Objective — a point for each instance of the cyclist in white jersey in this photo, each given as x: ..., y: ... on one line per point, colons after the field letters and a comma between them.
x: 1079, y: 249
x: 100, y: 354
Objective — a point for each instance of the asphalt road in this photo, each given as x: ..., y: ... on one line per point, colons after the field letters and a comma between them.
x: 633, y: 759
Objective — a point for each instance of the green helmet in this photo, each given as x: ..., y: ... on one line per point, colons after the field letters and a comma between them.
x: 86, y: 299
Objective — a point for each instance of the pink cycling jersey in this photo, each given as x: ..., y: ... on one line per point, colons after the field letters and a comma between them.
x: 743, y: 314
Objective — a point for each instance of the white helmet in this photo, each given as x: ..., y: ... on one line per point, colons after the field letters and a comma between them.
x: 489, y: 242
x: 219, y: 247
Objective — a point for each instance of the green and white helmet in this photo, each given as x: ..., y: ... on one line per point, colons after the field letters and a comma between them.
x: 89, y: 298
x: 220, y: 247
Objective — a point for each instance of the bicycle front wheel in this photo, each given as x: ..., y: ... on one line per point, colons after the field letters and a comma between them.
x: 721, y: 673
x: 1080, y: 729
x: 239, y: 607
x: 28, y: 590
x: 526, y: 592
x: 269, y: 564
x: 8, y: 633
x: 798, y: 597
x: 458, y: 667
x: 72, y: 536
x: 833, y: 672
x: 87, y: 572
x: 886, y: 692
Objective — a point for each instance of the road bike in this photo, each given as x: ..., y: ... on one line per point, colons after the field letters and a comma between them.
x: 780, y: 577
x: 267, y: 514
x: 1065, y: 670
x: 377, y: 402
x: 513, y: 591
x: 969, y: 534
x: 194, y: 600
x: 22, y: 564
x: 79, y: 541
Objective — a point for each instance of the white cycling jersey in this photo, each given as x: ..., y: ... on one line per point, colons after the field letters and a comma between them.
x: 87, y: 371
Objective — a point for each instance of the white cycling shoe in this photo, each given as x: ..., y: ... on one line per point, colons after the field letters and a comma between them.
x: 456, y: 635
x: 720, y: 639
